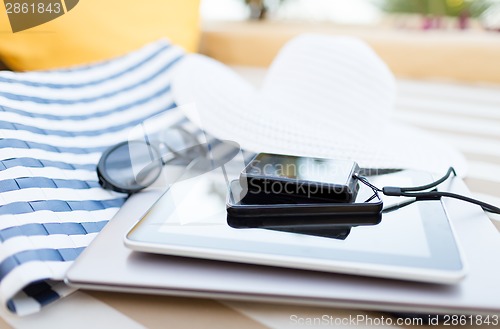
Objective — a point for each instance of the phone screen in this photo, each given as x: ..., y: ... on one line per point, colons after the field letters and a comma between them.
x: 301, y: 168
x: 290, y: 179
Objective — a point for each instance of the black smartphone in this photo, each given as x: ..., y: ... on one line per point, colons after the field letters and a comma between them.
x: 276, y: 178
x: 244, y: 212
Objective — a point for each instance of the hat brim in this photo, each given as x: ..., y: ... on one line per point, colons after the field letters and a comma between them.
x: 323, y: 97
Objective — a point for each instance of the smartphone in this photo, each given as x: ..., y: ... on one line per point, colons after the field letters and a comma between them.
x: 246, y: 213
x: 276, y: 178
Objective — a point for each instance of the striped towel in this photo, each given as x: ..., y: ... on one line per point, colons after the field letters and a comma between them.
x: 54, y: 125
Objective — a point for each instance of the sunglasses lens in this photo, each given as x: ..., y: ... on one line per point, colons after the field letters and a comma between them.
x: 132, y: 166
x: 220, y: 154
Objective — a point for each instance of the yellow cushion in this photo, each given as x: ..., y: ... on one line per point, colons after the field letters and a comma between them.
x: 97, y: 30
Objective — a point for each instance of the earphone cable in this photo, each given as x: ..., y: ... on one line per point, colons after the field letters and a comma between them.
x: 417, y: 192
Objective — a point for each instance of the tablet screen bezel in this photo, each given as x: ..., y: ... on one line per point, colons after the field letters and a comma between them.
x: 444, y: 265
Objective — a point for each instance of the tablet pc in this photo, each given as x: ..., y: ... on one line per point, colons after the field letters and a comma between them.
x: 415, y: 242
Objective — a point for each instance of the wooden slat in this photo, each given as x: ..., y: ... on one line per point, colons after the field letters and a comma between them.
x: 176, y: 312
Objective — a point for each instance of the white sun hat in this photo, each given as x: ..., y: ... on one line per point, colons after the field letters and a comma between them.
x: 323, y: 96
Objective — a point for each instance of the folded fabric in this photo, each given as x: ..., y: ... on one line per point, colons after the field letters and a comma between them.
x: 53, y: 127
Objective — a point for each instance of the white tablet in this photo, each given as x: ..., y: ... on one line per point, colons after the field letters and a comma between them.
x: 415, y: 242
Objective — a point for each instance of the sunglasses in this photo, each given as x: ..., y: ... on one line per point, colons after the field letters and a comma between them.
x: 133, y: 165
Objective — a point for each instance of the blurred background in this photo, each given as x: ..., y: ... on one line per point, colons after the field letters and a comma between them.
x: 418, y: 39
x: 457, y: 40
x: 403, y: 14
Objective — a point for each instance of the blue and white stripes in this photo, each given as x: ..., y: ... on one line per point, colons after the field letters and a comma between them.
x: 54, y: 125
